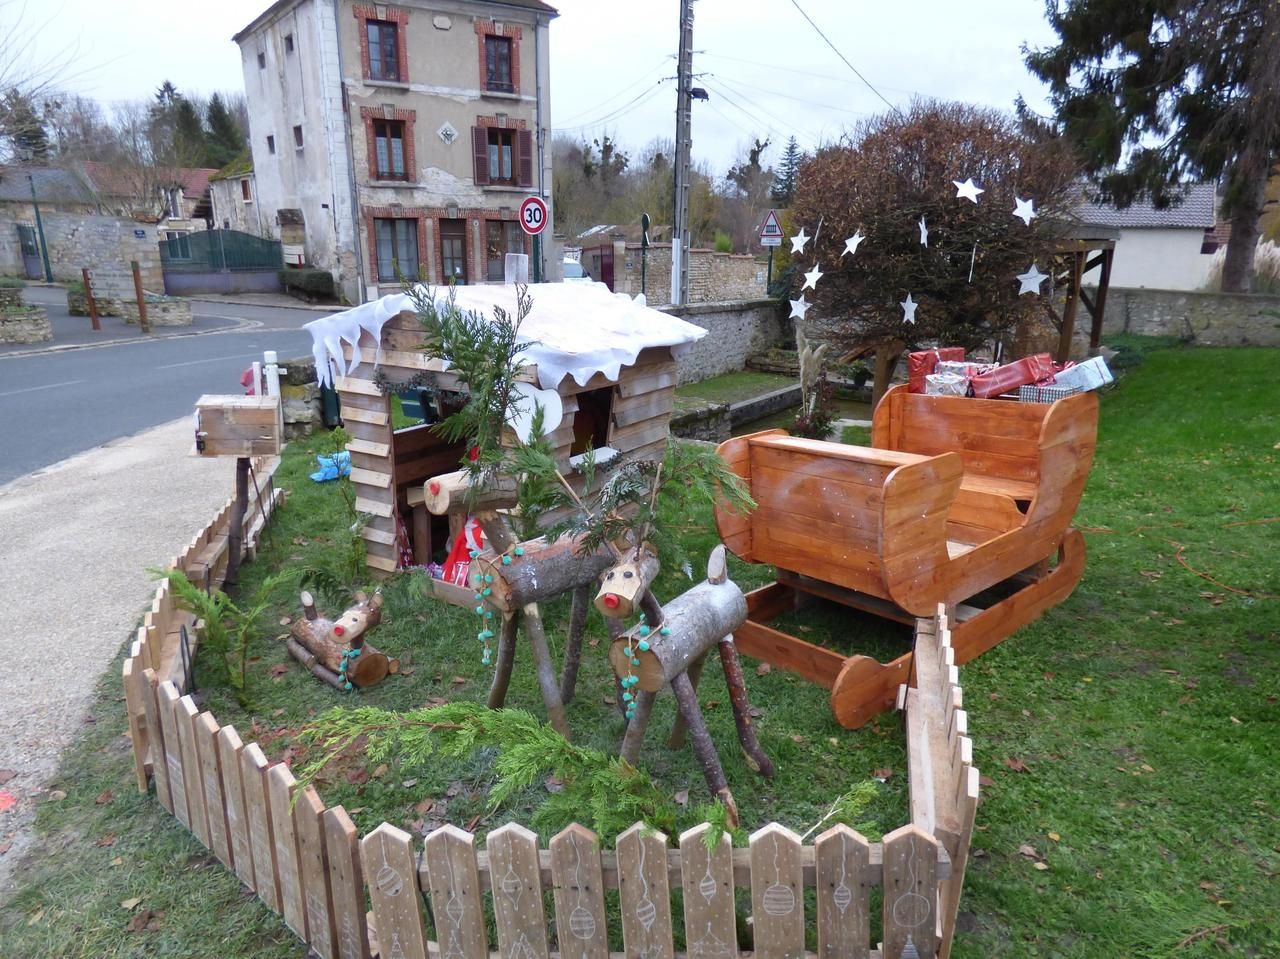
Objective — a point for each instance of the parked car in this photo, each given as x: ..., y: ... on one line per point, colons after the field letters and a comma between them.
x: 574, y: 273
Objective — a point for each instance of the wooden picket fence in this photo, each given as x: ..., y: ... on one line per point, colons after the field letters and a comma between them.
x: 449, y: 899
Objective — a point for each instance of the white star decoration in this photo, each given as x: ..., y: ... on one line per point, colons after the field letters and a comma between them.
x: 851, y: 244
x: 799, y: 308
x: 1026, y: 209
x: 908, y: 309
x: 1031, y: 280
x: 798, y: 241
x: 968, y: 189
x: 924, y: 233
x: 811, y: 279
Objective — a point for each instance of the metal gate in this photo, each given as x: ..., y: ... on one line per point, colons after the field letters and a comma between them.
x: 220, y: 261
x: 606, y: 266
x: 30, y: 252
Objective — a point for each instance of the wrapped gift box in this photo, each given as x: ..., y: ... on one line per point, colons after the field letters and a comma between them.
x: 1045, y: 394
x: 1007, y: 378
x: 945, y: 384
x: 921, y: 363
x: 1089, y: 375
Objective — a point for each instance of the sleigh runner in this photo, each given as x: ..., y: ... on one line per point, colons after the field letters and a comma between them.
x: 963, y: 502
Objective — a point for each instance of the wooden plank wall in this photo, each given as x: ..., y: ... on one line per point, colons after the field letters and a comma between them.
x: 382, y: 461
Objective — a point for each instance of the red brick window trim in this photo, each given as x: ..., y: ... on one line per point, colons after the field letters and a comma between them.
x: 395, y: 17
x: 416, y: 214
x: 493, y: 62
x: 378, y: 120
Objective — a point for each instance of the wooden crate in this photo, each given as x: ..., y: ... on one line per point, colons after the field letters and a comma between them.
x: 239, y: 426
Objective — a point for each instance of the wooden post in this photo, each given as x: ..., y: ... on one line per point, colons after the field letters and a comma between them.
x: 235, y: 533
x: 1100, y: 306
x: 88, y: 297
x: 1070, y: 308
x: 142, y: 299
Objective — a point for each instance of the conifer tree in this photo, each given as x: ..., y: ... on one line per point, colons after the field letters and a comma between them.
x: 1158, y: 92
x: 784, y: 181
x: 226, y: 139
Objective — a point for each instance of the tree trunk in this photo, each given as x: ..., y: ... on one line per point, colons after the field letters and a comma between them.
x: 505, y: 661
x: 703, y: 748
x: 543, y: 572
x: 235, y: 532
x: 573, y: 647
x: 1237, y: 267
x: 887, y: 355
x: 367, y: 669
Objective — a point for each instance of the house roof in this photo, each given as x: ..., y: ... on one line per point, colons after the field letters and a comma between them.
x: 52, y: 185
x: 282, y: 5
x: 109, y: 180
x: 528, y: 5
x: 240, y: 166
x: 1195, y: 211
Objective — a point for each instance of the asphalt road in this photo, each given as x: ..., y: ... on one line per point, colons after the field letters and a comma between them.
x: 54, y: 405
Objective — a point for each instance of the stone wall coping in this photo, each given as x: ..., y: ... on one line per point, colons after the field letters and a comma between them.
x: 1199, y: 294
x: 722, y: 306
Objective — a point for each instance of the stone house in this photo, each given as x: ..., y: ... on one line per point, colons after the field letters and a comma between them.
x: 233, y: 194
x: 399, y: 138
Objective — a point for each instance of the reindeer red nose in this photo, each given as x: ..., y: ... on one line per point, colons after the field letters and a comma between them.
x: 339, y: 631
x: 434, y: 487
x: 611, y: 600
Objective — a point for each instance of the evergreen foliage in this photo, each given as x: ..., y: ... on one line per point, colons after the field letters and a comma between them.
x: 22, y: 129
x: 604, y: 790
x: 1154, y: 93
x: 225, y: 138
x: 189, y: 146
x: 784, y: 180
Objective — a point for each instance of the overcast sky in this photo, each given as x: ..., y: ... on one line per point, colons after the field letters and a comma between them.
x: 768, y: 72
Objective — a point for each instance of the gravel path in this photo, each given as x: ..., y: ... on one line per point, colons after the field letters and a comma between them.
x: 78, y: 539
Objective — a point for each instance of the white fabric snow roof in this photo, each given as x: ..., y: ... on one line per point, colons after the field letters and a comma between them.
x: 579, y: 329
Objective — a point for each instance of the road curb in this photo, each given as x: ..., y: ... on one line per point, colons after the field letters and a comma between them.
x: 152, y: 338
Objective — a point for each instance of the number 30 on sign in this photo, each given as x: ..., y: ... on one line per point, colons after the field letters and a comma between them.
x: 533, y: 215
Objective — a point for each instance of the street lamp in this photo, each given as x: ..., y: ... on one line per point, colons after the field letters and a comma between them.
x: 44, y: 249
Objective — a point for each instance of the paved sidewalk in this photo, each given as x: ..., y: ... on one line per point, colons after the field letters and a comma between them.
x: 78, y: 540
x: 280, y: 300
x: 76, y: 332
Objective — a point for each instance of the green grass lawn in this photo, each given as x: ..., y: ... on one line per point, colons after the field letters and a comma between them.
x: 731, y: 387
x: 1130, y: 737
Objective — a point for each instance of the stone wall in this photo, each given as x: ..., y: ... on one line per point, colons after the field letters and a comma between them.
x: 105, y: 244
x: 713, y: 277
x: 1207, y: 319
x: 27, y: 325
x: 735, y: 331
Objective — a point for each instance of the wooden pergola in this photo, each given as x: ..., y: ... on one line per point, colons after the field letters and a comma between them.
x: 1085, y: 248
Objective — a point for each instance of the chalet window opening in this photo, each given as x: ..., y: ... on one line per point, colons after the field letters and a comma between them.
x: 297, y: 137
x: 271, y: 144
x: 592, y: 419
x: 384, y: 50
x: 502, y: 160
x: 501, y: 237
x: 396, y: 242
x: 389, y: 152
x: 497, y: 65
x: 453, y: 251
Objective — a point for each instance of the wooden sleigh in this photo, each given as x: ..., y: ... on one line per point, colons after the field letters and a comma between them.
x: 963, y: 502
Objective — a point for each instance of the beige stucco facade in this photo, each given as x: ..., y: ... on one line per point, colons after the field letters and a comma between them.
x: 388, y: 125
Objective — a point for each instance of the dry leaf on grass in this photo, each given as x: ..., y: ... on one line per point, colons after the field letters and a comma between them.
x: 1028, y: 851
x: 764, y: 669
x: 554, y: 784
x: 35, y: 917
x: 1042, y: 866
x: 103, y: 798
x: 1017, y: 765
x: 278, y: 670
x: 358, y: 776
x: 883, y: 774
x: 425, y: 806
x: 454, y: 789
x: 106, y: 841
x: 459, y: 680
x: 682, y: 798
x: 131, y: 903
x: 380, y: 770
x: 286, y: 620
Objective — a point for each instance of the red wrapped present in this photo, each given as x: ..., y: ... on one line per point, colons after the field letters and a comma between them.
x: 1007, y: 378
x: 921, y: 363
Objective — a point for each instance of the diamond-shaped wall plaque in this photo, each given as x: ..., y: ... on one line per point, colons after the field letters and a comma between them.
x: 448, y: 133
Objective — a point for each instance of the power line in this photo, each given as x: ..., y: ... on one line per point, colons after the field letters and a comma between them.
x: 870, y: 85
x: 643, y: 97
x: 787, y: 96
x: 773, y: 67
x: 622, y: 92
x: 731, y: 98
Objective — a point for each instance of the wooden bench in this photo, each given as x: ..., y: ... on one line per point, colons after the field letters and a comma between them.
x: 958, y: 497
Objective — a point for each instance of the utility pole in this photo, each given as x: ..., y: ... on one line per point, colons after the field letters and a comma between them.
x: 684, y: 132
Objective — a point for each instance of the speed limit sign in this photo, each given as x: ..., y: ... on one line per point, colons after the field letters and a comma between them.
x: 533, y: 215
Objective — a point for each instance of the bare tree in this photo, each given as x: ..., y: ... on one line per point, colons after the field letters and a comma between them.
x: 26, y: 76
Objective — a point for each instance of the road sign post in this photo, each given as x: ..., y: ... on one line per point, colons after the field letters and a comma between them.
x: 770, y: 236
x: 533, y: 220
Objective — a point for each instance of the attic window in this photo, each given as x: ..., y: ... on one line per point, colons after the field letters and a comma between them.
x: 262, y: 61
x: 297, y: 137
x: 591, y: 421
x: 288, y: 43
x: 271, y: 144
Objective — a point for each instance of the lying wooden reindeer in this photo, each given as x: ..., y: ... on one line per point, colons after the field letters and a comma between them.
x: 335, y: 650
x: 669, y: 648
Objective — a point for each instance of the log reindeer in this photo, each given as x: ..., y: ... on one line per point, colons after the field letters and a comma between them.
x: 669, y: 649
x: 334, y: 650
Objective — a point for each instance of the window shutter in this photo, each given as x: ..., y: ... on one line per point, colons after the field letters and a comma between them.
x: 480, y: 154
x: 524, y: 153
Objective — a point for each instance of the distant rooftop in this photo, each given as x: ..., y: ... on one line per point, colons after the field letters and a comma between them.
x: 52, y: 185
x: 1196, y: 211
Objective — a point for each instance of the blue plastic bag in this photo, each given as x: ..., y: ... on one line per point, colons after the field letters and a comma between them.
x: 331, y: 467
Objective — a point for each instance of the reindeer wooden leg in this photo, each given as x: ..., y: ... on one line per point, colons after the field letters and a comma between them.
x: 755, y: 756
x: 546, y: 670
x: 678, y: 728
x: 573, y: 648
x: 639, y: 722
x: 703, y: 747
x: 506, y: 660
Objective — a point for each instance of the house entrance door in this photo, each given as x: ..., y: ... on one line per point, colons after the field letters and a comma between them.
x: 30, y: 252
x: 606, y: 266
x: 453, y: 251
